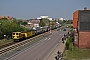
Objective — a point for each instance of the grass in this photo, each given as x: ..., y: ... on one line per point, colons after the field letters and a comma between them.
x: 77, y: 54
x: 2, y: 42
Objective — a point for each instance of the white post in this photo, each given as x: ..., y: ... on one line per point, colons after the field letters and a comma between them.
x: 4, y: 37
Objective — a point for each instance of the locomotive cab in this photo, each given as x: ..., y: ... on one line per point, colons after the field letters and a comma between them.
x: 17, y: 36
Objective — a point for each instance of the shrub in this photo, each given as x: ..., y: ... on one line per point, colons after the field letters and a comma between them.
x: 67, y: 43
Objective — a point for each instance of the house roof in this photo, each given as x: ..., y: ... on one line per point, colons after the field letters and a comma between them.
x: 35, y: 21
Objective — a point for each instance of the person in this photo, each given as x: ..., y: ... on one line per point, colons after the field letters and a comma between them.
x: 68, y: 32
x: 64, y: 35
x: 62, y: 40
x: 56, y: 57
x: 58, y: 52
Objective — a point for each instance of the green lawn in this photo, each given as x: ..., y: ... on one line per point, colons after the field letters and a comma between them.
x: 77, y: 54
x: 2, y: 42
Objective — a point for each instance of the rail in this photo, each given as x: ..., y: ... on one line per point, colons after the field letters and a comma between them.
x: 12, y: 47
x: 5, y: 45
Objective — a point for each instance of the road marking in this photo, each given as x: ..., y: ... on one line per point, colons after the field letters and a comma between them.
x: 52, y: 51
x: 24, y: 50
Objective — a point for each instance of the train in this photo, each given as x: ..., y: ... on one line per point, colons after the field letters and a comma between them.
x: 19, y: 36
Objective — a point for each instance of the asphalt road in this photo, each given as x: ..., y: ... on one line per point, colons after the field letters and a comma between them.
x: 42, y: 49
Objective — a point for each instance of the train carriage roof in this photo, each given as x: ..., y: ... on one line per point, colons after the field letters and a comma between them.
x: 16, y: 32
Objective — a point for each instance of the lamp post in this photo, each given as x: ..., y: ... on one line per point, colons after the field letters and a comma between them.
x: 4, y: 37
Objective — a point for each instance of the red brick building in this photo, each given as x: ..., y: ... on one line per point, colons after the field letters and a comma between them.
x: 7, y: 17
x: 81, y: 26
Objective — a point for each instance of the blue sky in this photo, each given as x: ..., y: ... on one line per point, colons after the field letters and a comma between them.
x: 27, y: 9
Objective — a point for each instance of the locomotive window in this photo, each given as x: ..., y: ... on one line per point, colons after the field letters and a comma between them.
x: 16, y: 33
x: 13, y: 33
x: 19, y: 34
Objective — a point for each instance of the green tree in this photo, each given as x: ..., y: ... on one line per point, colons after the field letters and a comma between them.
x: 4, y: 18
x: 46, y: 21
x: 60, y: 21
x: 24, y: 23
x: 7, y: 27
x: 42, y: 24
x: 19, y: 21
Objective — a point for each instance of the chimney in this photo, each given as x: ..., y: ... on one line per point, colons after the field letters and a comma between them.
x: 85, y: 8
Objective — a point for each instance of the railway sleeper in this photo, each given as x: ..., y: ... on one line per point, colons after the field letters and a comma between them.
x: 1, y: 52
x: 12, y: 47
x: 29, y: 40
x: 21, y: 43
x: 9, y: 48
x: 18, y: 45
x: 24, y: 42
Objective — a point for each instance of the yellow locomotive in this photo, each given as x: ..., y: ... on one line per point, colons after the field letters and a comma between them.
x: 19, y: 36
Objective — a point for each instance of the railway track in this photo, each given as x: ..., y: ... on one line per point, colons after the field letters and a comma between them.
x: 6, y: 45
x: 12, y: 46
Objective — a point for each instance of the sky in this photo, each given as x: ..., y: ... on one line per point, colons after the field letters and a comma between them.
x: 28, y: 9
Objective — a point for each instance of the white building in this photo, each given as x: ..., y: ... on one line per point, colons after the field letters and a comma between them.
x: 34, y: 23
x: 61, y: 19
x: 43, y: 16
x: 39, y: 18
x: 57, y: 22
x: 50, y: 19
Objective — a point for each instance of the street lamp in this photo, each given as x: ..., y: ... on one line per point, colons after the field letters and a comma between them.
x: 4, y: 37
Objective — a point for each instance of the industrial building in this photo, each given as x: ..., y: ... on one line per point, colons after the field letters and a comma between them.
x: 81, y: 27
